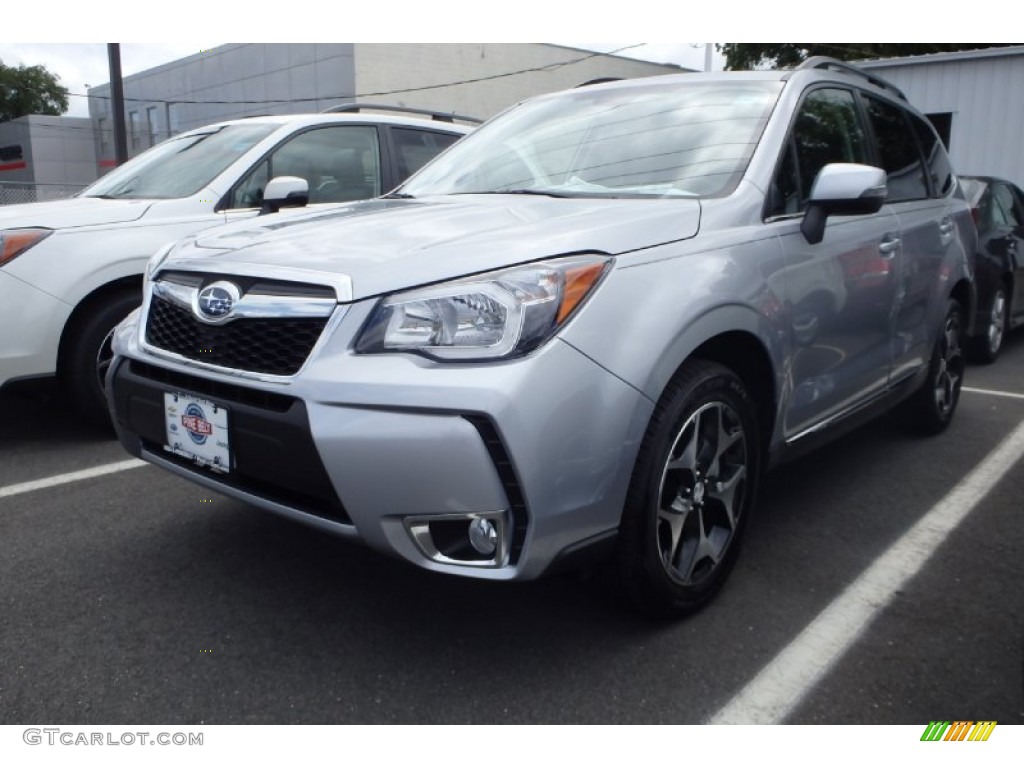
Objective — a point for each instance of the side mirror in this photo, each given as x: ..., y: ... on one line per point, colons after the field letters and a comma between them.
x: 842, y: 189
x: 285, y: 192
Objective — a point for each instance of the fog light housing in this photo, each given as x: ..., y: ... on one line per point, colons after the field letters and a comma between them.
x: 479, y: 540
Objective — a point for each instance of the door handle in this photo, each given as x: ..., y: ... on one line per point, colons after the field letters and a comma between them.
x: 889, y: 245
x: 946, y: 230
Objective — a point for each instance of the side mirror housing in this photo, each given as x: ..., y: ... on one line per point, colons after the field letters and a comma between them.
x: 842, y: 189
x: 285, y: 192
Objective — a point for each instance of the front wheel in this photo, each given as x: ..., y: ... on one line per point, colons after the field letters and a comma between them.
x: 932, y: 407
x: 86, y: 354
x: 692, y: 491
x: 986, y: 347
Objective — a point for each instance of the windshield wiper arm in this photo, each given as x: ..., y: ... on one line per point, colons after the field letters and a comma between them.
x: 523, y: 191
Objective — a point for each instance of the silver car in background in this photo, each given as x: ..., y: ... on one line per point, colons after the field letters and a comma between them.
x: 586, y: 330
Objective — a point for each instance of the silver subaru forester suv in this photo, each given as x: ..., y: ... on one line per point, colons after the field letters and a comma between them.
x: 586, y: 330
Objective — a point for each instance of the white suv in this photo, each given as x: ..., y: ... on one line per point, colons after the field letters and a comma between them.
x: 70, y: 270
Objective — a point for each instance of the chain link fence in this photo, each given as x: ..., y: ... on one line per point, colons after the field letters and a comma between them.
x: 13, y: 192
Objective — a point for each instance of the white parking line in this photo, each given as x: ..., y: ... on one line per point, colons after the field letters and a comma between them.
x: 995, y: 392
x: 70, y: 477
x: 794, y: 672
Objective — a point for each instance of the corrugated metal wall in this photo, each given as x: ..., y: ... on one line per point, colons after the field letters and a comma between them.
x: 984, y: 93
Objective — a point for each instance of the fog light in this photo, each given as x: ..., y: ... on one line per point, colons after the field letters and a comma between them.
x: 483, y: 536
x: 472, y: 539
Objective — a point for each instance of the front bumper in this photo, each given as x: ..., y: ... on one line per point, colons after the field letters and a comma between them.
x: 367, y: 445
x: 31, y: 321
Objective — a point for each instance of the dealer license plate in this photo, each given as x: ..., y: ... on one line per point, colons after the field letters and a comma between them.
x: 197, y: 430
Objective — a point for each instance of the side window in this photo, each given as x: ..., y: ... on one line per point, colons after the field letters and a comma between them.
x: 414, y: 148
x: 341, y: 163
x: 826, y: 130
x: 935, y: 157
x: 898, y: 152
x: 1004, y: 210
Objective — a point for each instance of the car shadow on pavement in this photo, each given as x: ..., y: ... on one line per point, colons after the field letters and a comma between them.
x: 36, y: 410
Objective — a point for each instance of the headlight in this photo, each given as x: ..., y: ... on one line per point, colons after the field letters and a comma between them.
x: 14, y: 242
x: 486, y: 317
x: 153, y: 265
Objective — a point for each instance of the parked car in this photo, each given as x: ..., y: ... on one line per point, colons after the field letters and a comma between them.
x: 71, y: 270
x: 998, y: 208
x: 587, y: 329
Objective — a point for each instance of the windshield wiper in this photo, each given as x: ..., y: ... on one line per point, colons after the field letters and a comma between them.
x: 524, y: 191
x: 397, y: 196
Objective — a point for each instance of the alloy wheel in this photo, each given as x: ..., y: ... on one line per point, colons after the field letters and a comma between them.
x: 996, y: 322
x: 950, y: 369
x: 701, y: 493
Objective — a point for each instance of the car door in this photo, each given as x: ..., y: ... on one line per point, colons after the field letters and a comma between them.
x: 927, y: 234
x: 341, y: 163
x: 1008, y: 207
x: 839, y: 293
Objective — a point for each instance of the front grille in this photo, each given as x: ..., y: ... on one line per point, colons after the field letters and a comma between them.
x: 277, y: 346
x: 211, y: 388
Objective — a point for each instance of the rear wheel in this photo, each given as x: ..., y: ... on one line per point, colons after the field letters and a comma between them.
x: 691, y: 493
x: 932, y: 407
x: 86, y: 354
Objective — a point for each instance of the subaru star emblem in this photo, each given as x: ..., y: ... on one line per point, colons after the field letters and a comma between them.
x: 216, y: 300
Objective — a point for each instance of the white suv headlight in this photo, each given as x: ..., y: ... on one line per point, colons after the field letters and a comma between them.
x: 485, y: 317
x: 14, y: 242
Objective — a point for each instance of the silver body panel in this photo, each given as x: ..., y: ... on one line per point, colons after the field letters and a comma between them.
x: 841, y: 324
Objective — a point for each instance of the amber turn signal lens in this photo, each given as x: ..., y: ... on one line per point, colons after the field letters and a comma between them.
x: 16, y: 241
x: 578, y: 282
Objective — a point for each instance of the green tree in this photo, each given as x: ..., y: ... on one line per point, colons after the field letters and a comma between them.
x: 30, y: 91
x: 777, y: 55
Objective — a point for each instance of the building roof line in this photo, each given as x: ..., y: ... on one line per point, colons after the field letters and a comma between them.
x: 928, y: 58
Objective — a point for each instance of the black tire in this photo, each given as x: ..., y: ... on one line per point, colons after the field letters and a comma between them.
x: 930, y: 410
x: 986, y: 347
x: 86, y: 354
x: 691, y: 492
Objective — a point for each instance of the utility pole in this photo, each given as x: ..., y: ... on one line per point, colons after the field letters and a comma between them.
x: 117, y: 102
x: 708, y: 48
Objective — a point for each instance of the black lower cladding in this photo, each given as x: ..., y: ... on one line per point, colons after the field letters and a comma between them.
x: 272, y: 449
x: 278, y: 346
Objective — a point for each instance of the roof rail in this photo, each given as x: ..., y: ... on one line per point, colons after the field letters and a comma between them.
x: 444, y: 117
x: 827, y: 62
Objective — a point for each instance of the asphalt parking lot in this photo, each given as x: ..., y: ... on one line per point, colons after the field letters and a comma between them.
x: 136, y: 597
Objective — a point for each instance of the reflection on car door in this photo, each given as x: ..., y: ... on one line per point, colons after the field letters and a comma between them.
x: 839, y: 294
x: 927, y: 234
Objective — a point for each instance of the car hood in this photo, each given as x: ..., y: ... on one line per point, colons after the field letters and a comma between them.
x: 387, y: 245
x: 74, y: 212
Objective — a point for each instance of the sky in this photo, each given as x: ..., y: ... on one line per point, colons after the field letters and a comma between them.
x: 81, y: 65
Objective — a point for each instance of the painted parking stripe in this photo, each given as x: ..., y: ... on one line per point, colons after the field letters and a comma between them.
x: 70, y: 477
x: 794, y: 672
x: 993, y: 392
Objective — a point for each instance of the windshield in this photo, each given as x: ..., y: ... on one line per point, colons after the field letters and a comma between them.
x: 180, y: 166
x: 662, y: 140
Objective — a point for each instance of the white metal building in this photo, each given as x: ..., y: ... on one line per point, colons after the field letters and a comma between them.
x: 975, y: 99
